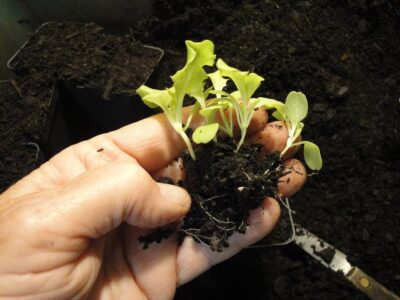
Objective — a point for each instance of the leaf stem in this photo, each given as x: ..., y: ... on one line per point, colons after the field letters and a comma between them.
x: 187, y: 142
x: 243, y: 135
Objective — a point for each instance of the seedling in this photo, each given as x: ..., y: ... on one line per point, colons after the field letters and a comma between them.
x: 228, y: 179
x: 293, y: 113
x: 187, y: 81
x: 190, y: 81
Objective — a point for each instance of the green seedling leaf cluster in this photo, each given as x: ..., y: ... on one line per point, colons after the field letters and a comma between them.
x: 220, y: 108
x: 293, y: 112
x: 187, y: 81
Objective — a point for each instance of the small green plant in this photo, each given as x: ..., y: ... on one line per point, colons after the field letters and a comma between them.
x: 293, y: 112
x: 220, y: 109
x: 187, y: 81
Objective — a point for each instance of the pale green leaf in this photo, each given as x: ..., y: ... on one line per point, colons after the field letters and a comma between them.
x: 312, y: 156
x: 210, y: 111
x: 204, y: 134
x: 199, y: 95
x: 236, y: 95
x: 298, y: 130
x: 217, y: 81
x: 222, y: 93
x: 155, y: 98
x: 296, y: 107
x: 246, y: 83
x: 190, y: 79
x: 278, y: 115
x: 143, y: 91
x: 270, y: 104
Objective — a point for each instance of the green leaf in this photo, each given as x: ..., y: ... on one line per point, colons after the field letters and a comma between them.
x: 209, y: 112
x: 155, y: 98
x: 217, y: 81
x: 247, y: 83
x: 312, y: 156
x: 204, y: 134
x: 278, y: 115
x: 270, y: 104
x: 298, y: 130
x: 296, y: 107
x: 200, y: 96
x: 235, y: 95
x: 190, y: 79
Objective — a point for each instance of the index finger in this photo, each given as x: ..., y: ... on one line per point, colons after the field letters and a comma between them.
x: 154, y: 143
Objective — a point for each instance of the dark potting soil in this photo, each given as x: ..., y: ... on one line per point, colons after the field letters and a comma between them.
x: 225, y: 186
x: 24, y: 105
x: 345, y: 56
x: 16, y: 162
x: 24, y: 108
x: 84, y: 55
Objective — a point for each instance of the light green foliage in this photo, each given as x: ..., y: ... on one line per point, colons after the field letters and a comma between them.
x: 187, y: 81
x: 204, y: 134
x: 312, y: 156
x: 220, y: 108
x: 239, y: 101
x: 294, y: 111
x: 217, y: 81
x: 296, y: 108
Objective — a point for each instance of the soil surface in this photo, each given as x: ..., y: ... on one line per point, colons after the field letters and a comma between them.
x: 224, y: 186
x: 84, y: 55
x: 24, y: 112
x: 345, y: 56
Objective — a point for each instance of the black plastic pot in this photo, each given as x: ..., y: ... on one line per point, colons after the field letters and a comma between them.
x: 105, y: 114
x: 69, y: 125
x: 11, y: 61
x: 116, y: 111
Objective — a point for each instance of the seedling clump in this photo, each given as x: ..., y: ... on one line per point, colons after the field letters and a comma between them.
x: 226, y: 178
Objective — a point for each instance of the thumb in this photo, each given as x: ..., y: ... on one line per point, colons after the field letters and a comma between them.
x: 101, y: 199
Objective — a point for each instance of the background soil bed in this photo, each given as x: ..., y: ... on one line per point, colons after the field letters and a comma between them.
x: 345, y: 57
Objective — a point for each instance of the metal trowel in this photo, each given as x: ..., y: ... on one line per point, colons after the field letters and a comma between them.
x: 336, y: 261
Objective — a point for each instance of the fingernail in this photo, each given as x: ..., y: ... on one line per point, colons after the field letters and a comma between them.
x: 272, y: 206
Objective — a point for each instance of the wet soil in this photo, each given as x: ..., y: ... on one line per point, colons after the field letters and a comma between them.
x: 84, y: 55
x: 345, y: 56
x: 225, y: 186
x: 24, y: 111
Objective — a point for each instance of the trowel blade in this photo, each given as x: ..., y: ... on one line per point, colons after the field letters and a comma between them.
x: 337, y: 261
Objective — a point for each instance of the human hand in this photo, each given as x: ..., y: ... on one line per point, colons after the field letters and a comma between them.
x: 70, y: 229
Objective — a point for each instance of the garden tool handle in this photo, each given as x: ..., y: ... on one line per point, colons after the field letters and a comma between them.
x: 369, y: 286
